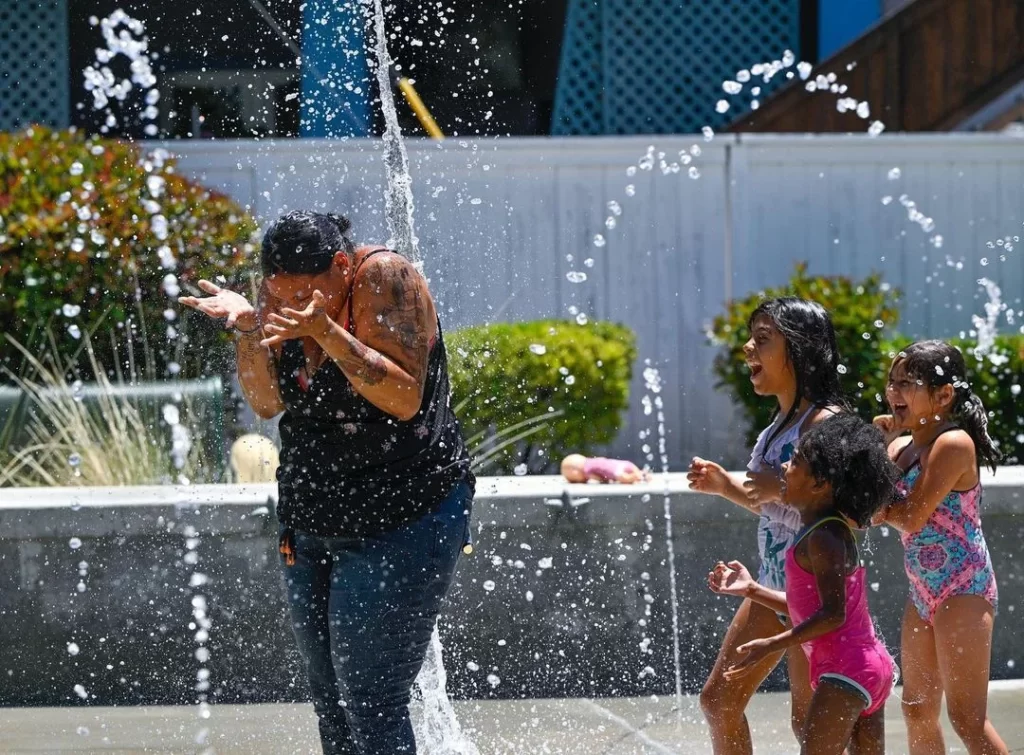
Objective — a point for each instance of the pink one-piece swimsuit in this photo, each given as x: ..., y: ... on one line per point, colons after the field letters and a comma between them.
x: 852, y: 654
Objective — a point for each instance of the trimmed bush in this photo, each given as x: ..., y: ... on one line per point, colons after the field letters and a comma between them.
x: 997, y: 379
x: 861, y: 312
x: 507, y: 374
x: 96, y: 224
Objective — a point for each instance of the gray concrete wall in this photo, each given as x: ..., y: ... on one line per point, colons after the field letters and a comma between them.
x: 580, y: 602
x: 503, y: 222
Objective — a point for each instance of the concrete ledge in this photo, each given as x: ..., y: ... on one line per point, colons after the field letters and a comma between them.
x: 567, y: 594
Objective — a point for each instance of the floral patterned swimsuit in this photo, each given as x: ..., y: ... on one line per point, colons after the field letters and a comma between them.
x: 948, y: 556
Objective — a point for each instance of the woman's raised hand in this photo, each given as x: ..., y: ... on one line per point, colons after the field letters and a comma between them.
x: 223, y: 304
x: 298, y: 323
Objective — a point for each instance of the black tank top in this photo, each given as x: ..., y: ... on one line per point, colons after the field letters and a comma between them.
x: 349, y: 468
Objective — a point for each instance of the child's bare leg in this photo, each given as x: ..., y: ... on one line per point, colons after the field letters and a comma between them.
x: 835, y: 709
x: 963, y: 644
x: 869, y: 735
x: 922, y: 685
x: 800, y: 691
x: 724, y: 702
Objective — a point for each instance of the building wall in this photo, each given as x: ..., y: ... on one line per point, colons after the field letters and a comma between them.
x: 502, y: 223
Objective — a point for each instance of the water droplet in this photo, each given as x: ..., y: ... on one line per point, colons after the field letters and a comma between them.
x: 743, y: 76
x: 695, y: 150
x: 589, y: 262
x: 82, y: 731
x: 74, y: 331
x: 570, y: 380
x: 887, y: 199
x: 876, y: 128
x: 721, y: 106
x: 895, y: 174
x: 171, y: 414
x: 864, y: 110
x: 984, y: 261
x: 732, y: 87
x: 614, y: 208
x: 80, y: 691
x: 599, y: 240
x: 630, y: 190
x: 538, y: 348
x: 529, y: 596
x: 546, y: 563
x: 841, y: 369
x: 472, y: 666
x: 520, y: 470
x: 631, y: 170
x: 879, y: 324
x: 76, y: 168
x: 489, y: 585
x: 708, y: 132
x: 609, y: 222
x: 74, y: 543
x: 693, y: 172
x: 581, y: 319
x: 493, y: 679
x: 875, y: 586
x: 73, y: 649
x: 576, y: 276
x: 71, y: 310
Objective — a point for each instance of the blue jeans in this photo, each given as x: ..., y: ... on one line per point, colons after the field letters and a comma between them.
x: 363, y: 610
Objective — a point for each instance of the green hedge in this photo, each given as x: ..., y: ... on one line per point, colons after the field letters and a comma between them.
x: 863, y: 313
x: 580, y: 382
x: 78, y: 228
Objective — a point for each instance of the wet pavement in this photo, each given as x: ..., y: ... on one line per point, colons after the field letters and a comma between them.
x: 615, y: 726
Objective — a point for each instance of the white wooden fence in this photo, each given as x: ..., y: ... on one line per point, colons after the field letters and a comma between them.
x: 502, y: 222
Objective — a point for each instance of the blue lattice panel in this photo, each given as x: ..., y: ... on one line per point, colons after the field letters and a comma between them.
x: 657, y: 66
x: 33, y: 63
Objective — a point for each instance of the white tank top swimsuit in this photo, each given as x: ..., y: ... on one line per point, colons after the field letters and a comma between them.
x: 779, y: 523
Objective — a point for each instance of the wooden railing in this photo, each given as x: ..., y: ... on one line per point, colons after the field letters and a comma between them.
x: 925, y: 68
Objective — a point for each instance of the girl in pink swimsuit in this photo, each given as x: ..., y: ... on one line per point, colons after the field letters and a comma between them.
x: 948, y: 620
x: 840, y: 473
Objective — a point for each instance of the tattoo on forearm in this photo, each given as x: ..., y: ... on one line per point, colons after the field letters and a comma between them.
x: 364, y: 363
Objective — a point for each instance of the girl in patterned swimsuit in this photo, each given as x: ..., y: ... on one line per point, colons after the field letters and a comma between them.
x: 793, y: 357
x: 947, y: 624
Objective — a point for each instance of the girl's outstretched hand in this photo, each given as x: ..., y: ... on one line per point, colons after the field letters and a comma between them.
x: 763, y: 487
x: 752, y: 652
x: 730, y: 579
x: 707, y: 477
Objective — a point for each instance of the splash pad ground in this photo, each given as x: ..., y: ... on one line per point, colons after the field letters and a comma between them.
x: 512, y: 727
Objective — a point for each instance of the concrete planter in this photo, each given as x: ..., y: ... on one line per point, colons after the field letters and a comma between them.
x: 566, y: 594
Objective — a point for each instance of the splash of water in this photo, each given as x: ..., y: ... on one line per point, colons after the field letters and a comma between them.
x: 434, y: 721
x: 652, y: 381
x: 125, y: 36
x: 437, y: 728
x: 398, y: 204
x: 987, y: 326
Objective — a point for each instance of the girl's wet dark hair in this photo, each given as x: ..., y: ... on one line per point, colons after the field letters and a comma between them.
x: 812, y: 349
x: 304, y: 242
x: 850, y: 455
x: 937, y: 363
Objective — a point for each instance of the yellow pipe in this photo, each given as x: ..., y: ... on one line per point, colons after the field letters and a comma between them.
x: 425, y: 118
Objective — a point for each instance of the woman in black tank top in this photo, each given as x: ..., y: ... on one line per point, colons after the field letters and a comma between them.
x: 374, y: 485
